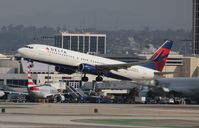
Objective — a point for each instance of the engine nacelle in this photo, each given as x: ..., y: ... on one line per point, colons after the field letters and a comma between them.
x: 87, y: 68
x: 64, y: 70
x: 62, y: 98
x: 2, y: 93
x: 159, y: 85
x: 154, y: 83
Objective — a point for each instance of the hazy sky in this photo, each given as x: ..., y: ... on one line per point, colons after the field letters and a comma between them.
x: 101, y: 14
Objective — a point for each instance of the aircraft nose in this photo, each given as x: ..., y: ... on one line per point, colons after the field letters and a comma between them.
x: 20, y: 51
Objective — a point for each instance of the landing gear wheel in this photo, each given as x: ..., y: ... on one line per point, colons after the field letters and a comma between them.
x: 56, y: 98
x: 85, y: 78
x: 99, y: 78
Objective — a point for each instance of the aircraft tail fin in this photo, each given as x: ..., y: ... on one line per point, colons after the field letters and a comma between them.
x: 159, y: 58
x: 30, y: 81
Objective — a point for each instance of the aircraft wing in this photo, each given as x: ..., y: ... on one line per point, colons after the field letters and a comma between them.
x: 15, y: 92
x: 9, y: 90
x: 109, y: 67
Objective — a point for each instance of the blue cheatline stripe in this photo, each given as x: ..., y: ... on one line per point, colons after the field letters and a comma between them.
x: 115, y: 76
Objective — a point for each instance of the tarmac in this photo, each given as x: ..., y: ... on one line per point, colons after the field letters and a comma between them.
x: 66, y: 115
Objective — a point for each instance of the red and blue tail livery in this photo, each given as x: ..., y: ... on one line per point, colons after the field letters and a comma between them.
x: 159, y: 58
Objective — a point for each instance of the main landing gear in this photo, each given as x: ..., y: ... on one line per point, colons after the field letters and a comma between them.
x: 99, y: 78
x: 85, y: 78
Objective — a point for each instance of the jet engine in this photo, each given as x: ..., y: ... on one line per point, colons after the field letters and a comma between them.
x: 87, y: 68
x: 62, y: 98
x: 159, y: 85
x: 154, y: 83
x: 2, y: 93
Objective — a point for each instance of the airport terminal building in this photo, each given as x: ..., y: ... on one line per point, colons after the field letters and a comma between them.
x: 14, y: 71
x: 82, y: 42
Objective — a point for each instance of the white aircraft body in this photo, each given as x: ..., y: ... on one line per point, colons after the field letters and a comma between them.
x: 68, y: 61
x: 44, y: 91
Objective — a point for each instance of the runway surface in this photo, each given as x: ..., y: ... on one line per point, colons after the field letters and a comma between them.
x: 98, y: 116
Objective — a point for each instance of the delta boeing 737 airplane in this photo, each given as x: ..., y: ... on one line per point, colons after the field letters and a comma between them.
x: 68, y: 61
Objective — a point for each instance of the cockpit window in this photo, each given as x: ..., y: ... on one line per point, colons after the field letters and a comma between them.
x: 28, y: 47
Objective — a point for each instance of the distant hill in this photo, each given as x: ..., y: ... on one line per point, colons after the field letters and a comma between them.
x: 121, y: 41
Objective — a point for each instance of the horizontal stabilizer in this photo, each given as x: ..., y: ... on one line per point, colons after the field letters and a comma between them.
x: 164, y: 73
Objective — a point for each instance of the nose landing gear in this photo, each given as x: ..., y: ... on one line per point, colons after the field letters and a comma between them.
x: 85, y: 78
x: 99, y: 78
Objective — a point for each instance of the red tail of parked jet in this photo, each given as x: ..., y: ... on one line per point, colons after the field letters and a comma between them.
x: 31, y: 85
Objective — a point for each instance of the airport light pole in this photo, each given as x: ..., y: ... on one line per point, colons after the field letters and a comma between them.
x: 48, y: 73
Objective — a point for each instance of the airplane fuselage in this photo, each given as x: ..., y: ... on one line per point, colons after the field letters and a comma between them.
x: 59, y: 56
x: 189, y: 87
x: 43, y: 91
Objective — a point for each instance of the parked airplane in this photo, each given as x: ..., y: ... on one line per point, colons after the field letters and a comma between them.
x: 68, y: 61
x: 181, y: 86
x: 44, y: 91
